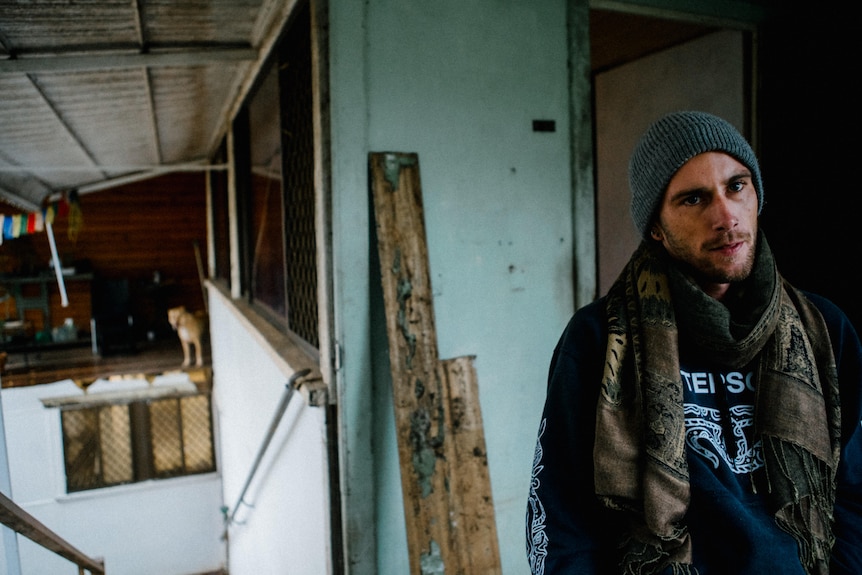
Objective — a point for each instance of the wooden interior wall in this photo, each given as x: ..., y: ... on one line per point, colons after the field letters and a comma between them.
x: 135, y: 231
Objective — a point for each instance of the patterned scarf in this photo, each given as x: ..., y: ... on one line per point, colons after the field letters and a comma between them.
x: 640, y: 453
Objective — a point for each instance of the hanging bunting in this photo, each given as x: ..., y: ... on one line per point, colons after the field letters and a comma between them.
x: 17, y: 225
x: 76, y: 217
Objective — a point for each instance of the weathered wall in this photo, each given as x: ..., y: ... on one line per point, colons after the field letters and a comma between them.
x: 460, y: 85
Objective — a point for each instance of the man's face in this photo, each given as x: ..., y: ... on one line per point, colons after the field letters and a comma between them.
x: 708, y: 220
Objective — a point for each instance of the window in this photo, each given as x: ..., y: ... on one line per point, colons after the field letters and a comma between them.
x: 220, y: 214
x: 113, y: 444
x: 267, y: 281
x: 274, y: 136
x: 298, y: 160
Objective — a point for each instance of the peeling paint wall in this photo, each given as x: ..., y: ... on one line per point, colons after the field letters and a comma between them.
x: 460, y: 84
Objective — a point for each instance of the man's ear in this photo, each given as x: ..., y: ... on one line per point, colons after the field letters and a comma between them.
x: 655, y: 233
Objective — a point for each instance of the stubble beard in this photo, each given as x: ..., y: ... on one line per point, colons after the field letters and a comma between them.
x: 706, y: 270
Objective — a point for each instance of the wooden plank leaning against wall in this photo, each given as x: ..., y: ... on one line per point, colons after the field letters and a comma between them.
x: 446, y: 486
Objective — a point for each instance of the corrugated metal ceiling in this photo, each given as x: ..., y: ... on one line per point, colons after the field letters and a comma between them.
x: 97, y: 92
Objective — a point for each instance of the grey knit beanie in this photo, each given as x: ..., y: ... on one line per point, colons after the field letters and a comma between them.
x: 669, y: 143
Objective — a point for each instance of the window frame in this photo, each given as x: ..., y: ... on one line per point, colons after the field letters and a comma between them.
x: 219, y: 217
x: 296, y: 310
x: 141, y: 441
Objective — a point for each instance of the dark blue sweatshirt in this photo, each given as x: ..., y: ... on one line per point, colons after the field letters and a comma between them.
x: 570, y: 532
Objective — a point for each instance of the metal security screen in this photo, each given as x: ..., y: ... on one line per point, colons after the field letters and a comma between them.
x: 97, y: 446
x: 297, y: 113
x: 276, y: 203
x: 114, y: 444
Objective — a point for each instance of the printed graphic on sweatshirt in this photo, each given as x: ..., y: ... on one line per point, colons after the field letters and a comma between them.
x: 719, y: 419
x: 537, y: 539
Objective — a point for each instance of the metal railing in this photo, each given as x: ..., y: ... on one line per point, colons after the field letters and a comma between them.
x: 289, y: 390
x: 22, y: 522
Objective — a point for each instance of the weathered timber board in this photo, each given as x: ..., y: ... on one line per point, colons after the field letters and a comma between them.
x: 445, y: 483
x: 472, y: 522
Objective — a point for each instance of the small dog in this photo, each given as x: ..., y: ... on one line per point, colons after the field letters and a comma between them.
x: 189, y: 328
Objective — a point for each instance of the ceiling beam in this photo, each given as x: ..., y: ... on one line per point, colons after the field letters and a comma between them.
x: 79, y: 62
x: 4, y: 45
x: 272, y: 19
x: 146, y: 174
x: 155, y: 141
x: 18, y: 201
x: 62, y: 121
x: 143, y: 40
x: 181, y: 167
x: 735, y: 14
x: 139, y: 23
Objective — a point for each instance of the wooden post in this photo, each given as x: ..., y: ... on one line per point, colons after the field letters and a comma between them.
x: 445, y: 482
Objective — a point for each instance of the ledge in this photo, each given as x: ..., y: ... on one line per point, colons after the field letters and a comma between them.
x: 289, y: 352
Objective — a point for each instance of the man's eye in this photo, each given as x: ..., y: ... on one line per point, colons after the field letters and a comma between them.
x: 737, y: 186
x: 691, y: 200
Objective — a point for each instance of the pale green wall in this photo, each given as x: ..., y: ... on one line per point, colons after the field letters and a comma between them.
x: 459, y: 84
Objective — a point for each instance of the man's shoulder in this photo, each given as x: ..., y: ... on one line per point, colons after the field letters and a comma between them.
x: 845, y: 339
x: 588, y: 325
x: 593, y: 311
x: 836, y: 319
x: 592, y: 315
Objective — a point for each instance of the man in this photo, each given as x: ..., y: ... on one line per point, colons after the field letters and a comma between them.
x: 704, y: 415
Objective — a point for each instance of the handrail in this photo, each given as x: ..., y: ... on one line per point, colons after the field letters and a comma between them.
x: 289, y: 389
x: 14, y: 517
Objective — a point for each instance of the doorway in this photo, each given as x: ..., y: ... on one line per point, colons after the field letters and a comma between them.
x: 642, y: 68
